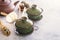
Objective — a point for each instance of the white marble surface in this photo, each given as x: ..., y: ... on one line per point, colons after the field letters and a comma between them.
x: 49, y: 26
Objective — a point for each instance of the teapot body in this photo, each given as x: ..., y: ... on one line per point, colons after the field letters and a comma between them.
x: 23, y: 26
x: 7, y: 9
x: 34, y: 14
x: 7, y: 6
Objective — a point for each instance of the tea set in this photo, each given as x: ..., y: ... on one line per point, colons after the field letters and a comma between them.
x: 24, y: 24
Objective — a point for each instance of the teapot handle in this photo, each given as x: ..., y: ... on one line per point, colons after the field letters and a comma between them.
x: 41, y: 10
x: 35, y: 27
x: 15, y: 3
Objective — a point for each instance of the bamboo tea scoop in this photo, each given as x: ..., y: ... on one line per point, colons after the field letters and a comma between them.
x: 4, y: 29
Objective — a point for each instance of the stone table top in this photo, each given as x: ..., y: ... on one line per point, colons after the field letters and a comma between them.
x: 49, y: 26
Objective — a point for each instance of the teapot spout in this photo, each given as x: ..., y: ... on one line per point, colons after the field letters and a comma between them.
x: 16, y: 3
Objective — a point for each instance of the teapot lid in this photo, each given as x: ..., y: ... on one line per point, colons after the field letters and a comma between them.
x: 23, y: 22
x: 33, y: 10
x: 4, y: 2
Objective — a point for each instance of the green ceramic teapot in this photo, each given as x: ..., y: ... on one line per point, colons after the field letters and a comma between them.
x: 23, y: 27
x: 34, y: 14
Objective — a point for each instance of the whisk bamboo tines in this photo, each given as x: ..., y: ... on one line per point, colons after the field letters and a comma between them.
x: 4, y: 29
